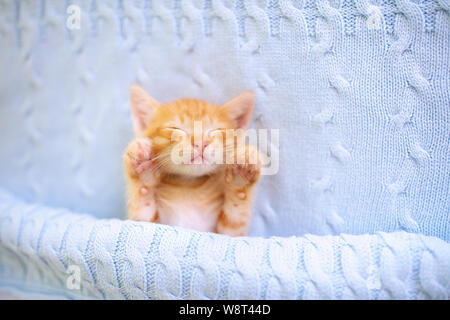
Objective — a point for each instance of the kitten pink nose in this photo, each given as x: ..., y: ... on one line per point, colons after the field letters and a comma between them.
x: 201, y: 146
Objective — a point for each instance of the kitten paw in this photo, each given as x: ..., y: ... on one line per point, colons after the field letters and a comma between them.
x: 139, y: 155
x: 234, y: 226
x: 248, y: 169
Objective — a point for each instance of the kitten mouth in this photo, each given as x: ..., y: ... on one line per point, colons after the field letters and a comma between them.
x: 201, y: 160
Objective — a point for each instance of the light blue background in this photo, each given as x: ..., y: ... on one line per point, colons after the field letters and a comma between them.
x: 363, y: 116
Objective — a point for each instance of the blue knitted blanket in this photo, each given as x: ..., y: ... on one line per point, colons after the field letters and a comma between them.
x: 57, y: 254
x: 358, y: 89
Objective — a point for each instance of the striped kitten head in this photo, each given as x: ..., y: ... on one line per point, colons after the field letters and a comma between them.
x: 190, y: 137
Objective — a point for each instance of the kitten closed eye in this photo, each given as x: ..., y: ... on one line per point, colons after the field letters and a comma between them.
x: 216, y: 132
x: 176, y: 133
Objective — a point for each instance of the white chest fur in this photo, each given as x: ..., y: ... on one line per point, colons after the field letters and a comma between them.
x: 195, y: 207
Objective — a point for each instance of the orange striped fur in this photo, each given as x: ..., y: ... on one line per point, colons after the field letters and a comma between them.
x: 203, y: 196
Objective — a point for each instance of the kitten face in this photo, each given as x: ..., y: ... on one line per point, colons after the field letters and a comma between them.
x: 189, y: 136
x: 186, y: 136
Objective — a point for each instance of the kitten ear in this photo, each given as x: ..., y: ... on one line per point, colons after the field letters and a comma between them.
x: 142, y: 108
x: 240, y: 109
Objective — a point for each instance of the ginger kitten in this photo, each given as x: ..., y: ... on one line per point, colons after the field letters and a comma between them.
x: 177, y: 167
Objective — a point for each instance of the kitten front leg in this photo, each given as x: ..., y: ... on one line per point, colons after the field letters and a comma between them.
x: 240, y: 180
x: 141, y: 180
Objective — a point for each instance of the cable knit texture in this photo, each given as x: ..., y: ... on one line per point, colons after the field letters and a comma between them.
x: 357, y: 88
x: 129, y: 260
